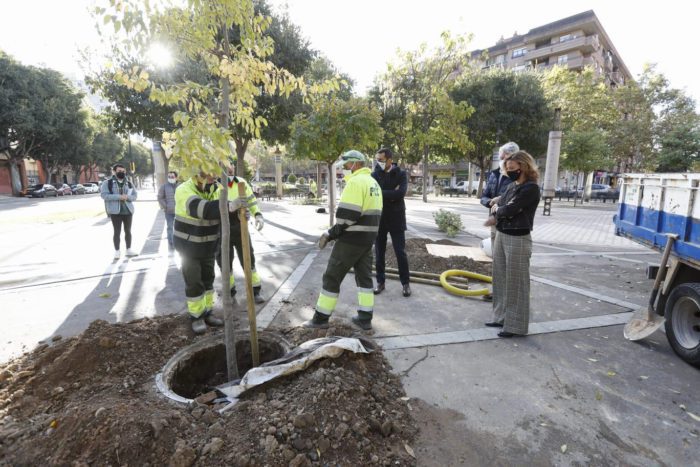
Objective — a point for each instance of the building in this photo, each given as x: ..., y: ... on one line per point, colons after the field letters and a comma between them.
x: 575, y: 42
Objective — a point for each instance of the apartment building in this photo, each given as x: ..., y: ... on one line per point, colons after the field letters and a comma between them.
x: 574, y: 42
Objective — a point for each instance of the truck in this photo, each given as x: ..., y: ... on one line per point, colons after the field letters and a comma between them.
x: 655, y: 209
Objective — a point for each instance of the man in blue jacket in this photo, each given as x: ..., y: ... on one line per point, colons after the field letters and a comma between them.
x: 393, y: 182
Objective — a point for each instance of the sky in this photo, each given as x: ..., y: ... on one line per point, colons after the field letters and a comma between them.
x: 361, y: 36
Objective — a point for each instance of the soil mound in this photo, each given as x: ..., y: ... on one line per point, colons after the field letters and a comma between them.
x: 91, y: 400
x: 420, y: 260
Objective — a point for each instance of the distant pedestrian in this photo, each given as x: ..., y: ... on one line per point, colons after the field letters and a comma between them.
x: 119, y: 195
x: 357, y: 223
x: 166, y: 200
x: 393, y: 182
x: 514, y: 216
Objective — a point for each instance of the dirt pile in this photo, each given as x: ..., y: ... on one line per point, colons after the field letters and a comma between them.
x: 91, y: 400
x: 420, y: 260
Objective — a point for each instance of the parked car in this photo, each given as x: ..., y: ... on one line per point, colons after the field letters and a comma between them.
x: 91, y: 187
x: 64, y: 190
x: 462, y: 186
x: 600, y: 191
x: 77, y: 189
x: 42, y: 191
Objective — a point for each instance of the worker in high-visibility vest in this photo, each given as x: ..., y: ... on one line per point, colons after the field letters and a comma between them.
x: 196, y: 235
x: 357, y: 223
x: 235, y: 239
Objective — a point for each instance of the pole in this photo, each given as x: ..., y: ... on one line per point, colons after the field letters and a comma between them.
x: 551, y: 169
x: 245, y: 240
x: 278, y: 173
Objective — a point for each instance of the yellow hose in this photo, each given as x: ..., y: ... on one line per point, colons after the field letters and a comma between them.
x: 465, y: 293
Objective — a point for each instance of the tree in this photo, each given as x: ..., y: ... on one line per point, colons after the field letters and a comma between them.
x: 584, y: 151
x: 331, y: 128
x: 200, y: 30
x: 510, y: 106
x: 422, y: 81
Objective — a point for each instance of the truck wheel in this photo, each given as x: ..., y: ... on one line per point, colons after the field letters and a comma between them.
x: 683, y: 322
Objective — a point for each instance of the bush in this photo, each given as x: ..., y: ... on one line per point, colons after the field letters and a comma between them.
x: 301, y: 181
x: 448, y: 222
x: 291, y: 178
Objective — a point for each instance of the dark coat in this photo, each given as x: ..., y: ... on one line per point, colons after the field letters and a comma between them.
x: 393, y: 184
x: 495, y: 186
x: 517, y: 207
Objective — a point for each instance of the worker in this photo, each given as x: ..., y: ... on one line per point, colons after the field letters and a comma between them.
x: 357, y: 222
x: 235, y: 239
x: 196, y: 235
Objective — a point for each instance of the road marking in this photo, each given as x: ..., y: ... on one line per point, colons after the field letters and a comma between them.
x: 484, y: 334
x: 586, y: 293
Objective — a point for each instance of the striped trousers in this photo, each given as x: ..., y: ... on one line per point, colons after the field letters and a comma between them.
x: 511, y: 281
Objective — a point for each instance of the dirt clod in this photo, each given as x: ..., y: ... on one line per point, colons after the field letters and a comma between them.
x: 420, y: 260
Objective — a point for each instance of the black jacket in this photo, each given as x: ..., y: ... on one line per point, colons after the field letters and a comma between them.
x: 393, y: 184
x: 517, y: 207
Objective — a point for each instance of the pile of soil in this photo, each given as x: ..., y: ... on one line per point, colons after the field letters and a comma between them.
x: 420, y: 260
x: 91, y: 400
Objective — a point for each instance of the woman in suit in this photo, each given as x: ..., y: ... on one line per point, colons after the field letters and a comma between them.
x: 513, y: 216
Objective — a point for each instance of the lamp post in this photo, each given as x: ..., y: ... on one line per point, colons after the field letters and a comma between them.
x: 278, y: 172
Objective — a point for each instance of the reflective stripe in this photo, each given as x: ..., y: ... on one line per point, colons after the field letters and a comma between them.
x: 368, y: 291
x: 368, y: 309
x: 255, y: 278
x: 209, y: 300
x: 372, y: 212
x: 231, y: 281
x: 197, y: 222
x: 196, y: 238
x: 329, y: 294
x: 344, y: 221
x: 363, y: 228
x: 200, y: 208
x: 196, y: 307
x: 326, y: 304
x: 365, y: 299
x: 195, y: 299
x: 350, y: 206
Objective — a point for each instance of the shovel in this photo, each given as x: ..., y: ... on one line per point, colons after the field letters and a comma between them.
x: 245, y: 241
x: 646, y: 322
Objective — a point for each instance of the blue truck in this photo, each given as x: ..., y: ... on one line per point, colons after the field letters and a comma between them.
x: 653, y: 210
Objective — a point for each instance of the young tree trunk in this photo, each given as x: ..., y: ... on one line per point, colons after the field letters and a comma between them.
x: 331, y: 193
x: 425, y: 173
x: 241, y: 146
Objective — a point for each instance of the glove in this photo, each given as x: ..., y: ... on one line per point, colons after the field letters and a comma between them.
x: 323, y: 241
x: 259, y: 222
x: 237, y: 204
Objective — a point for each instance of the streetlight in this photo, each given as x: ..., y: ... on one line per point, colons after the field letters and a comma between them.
x: 278, y: 171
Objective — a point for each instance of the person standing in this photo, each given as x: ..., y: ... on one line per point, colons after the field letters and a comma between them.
x: 235, y: 239
x: 195, y: 236
x: 312, y: 189
x: 357, y: 222
x: 166, y: 200
x: 393, y: 182
x: 498, y: 181
x: 514, y: 215
x: 119, y: 195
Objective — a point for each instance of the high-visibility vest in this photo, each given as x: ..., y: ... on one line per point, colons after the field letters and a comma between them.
x: 359, y: 210
x: 196, y: 229
x: 250, y: 196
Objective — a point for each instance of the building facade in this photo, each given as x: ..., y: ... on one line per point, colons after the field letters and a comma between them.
x: 575, y: 42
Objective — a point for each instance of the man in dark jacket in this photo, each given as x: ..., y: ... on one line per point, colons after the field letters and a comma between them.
x: 393, y: 182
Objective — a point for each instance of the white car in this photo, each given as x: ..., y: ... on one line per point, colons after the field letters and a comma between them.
x: 462, y: 186
x: 91, y: 188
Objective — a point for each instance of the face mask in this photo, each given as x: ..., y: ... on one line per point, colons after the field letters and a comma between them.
x: 381, y: 165
x: 347, y: 173
x: 172, y: 180
x: 514, y: 174
x: 121, y: 175
x: 207, y: 187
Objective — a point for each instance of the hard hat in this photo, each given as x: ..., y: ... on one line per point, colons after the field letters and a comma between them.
x: 353, y: 156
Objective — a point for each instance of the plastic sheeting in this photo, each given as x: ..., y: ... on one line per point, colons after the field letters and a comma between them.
x: 297, y: 360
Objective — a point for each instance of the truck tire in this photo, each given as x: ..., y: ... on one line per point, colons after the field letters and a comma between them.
x: 683, y: 322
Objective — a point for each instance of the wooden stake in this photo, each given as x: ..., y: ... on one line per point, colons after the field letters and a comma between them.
x: 245, y: 241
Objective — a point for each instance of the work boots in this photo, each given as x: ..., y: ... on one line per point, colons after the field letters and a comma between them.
x: 363, y: 320
x: 198, y: 325
x: 319, y: 321
x: 212, y: 320
x: 257, y: 297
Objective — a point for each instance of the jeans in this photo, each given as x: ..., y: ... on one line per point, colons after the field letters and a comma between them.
x: 170, y: 222
x: 398, y: 240
x: 117, y: 221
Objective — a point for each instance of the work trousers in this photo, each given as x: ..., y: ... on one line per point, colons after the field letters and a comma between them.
x: 511, y: 281
x: 117, y: 221
x: 236, y: 240
x: 343, y: 257
x: 398, y: 241
x: 199, y: 284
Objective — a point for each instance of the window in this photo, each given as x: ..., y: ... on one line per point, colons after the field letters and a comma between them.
x: 500, y: 59
x: 562, y: 59
x: 566, y: 37
x: 519, y: 52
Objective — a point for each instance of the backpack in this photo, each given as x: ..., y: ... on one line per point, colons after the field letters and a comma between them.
x: 110, y: 185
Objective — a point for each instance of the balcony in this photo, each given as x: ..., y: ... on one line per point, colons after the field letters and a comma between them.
x: 584, y: 44
x: 578, y: 62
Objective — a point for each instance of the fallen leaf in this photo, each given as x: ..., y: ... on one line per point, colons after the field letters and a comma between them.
x: 409, y: 450
x: 543, y: 424
x: 693, y: 416
x: 105, y: 295
x: 598, y: 396
x: 611, y: 373
x: 564, y: 447
x: 405, y: 398
x: 592, y: 360
x: 683, y: 407
x: 643, y: 377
